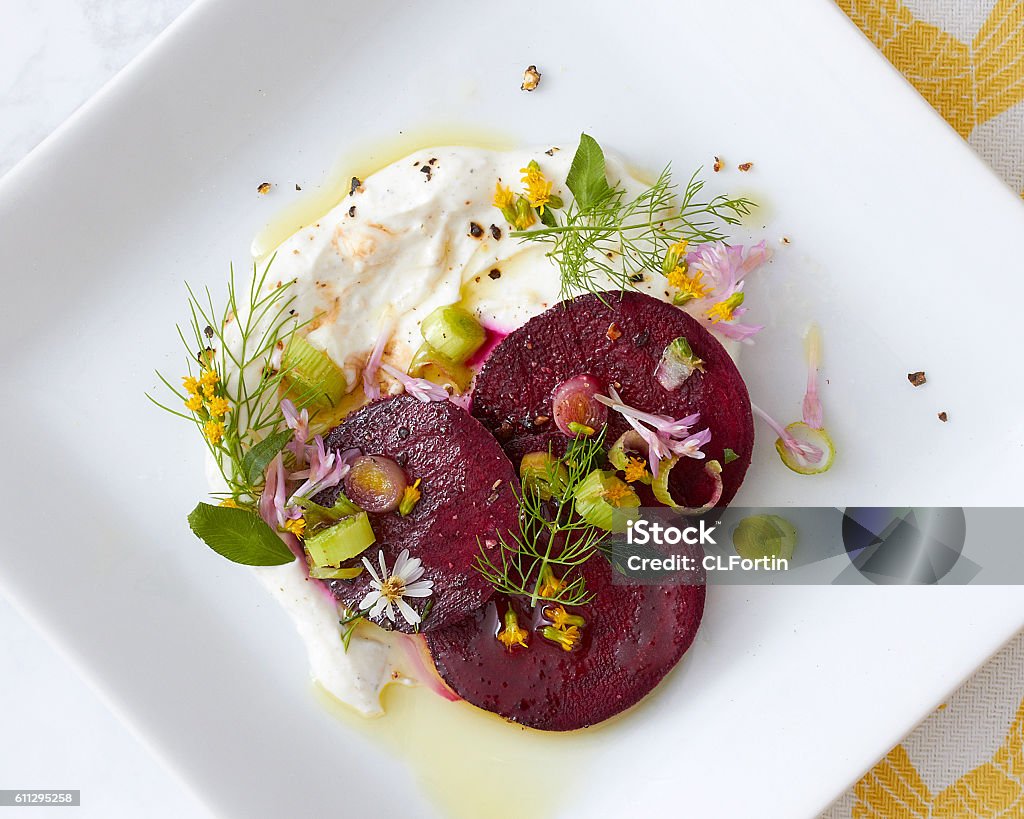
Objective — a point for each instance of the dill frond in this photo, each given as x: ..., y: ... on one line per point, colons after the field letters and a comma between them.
x: 551, y: 536
x: 604, y: 245
x: 237, y: 342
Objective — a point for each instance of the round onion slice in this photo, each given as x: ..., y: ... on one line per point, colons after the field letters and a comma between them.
x: 375, y: 483
x: 574, y: 408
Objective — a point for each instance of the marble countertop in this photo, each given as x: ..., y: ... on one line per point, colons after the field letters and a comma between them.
x: 57, y: 733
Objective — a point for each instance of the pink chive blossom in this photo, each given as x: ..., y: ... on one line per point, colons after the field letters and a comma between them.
x: 326, y: 469
x: 812, y: 412
x: 666, y: 437
x: 801, y: 449
x: 813, y: 415
x: 724, y: 268
x: 418, y: 388
x: 299, y: 423
x: 272, y: 501
x: 371, y: 388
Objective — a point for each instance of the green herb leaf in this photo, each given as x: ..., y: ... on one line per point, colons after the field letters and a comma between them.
x: 255, y: 460
x: 586, y: 177
x: 239, y: 535
x: 348, y: 624
x: 729, y: 456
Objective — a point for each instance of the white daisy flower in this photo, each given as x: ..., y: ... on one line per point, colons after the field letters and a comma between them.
x: 387, y: 590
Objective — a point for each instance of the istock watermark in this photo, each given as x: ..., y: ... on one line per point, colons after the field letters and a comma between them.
x: 820, y: 545
x: 642, y: 532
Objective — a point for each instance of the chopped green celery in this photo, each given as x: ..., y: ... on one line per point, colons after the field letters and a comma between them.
x: 313, y: 378
x: 600, y: 496
x: 438, y: 368
x: 345, y: 506
x: 543, y: 473
x: 454, y: 332
x: 317, y: 516
x: 347, y: 538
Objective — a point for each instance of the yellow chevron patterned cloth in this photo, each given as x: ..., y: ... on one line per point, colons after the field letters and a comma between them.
x: 966, y: 760
x: 966, y: 57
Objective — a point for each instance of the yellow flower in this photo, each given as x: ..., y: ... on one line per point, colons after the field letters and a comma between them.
x: 617, y: 492
x: 675, y: 256
x: 512, y: 635
x: 410, y: 497
x: 690, y: 287
x: 219, y: 406
x: 208, y: 391
x: 538, y: 188
x: 214, y: 431
x: 297, y: 526
x: 503, y: 197
x: 562, y: 619
x: 636, y: 469
x: 194, y: 403
x: 566, y: 637
x: 549, y: 584
x: 190, y: 384
x: 209, y: 378
x: 723, y: 310
x: 229, y: 503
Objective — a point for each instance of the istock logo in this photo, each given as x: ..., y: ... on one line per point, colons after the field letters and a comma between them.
x: 648, y: 532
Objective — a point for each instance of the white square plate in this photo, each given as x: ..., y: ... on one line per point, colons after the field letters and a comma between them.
x: 900, y: 249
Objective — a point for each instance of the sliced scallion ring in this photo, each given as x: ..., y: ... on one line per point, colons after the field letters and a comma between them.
x: 808, y: 451
x: 662, y: 493
x: 764, y: 536
x: 629, y: 444
x: 600, y: 496
x: 543, y: 473
x: 433, y: 366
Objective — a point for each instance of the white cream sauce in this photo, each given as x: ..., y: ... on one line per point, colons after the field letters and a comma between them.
x: 400, y: 246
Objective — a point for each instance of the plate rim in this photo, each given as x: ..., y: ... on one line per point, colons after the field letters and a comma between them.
x: 174, y: 37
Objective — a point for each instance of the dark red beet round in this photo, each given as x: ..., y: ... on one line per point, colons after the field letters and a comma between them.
x: 633, y: 637
x: 512, y: 394
x: 468, y: 487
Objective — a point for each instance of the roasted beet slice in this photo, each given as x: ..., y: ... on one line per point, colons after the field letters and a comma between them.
x: 633, y: 637
x: 468, y: 487
x: 620, y: 339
